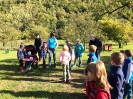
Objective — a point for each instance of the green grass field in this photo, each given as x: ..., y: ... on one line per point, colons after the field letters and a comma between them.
x: 43, y: 83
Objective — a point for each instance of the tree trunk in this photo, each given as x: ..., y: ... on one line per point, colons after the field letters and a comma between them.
x: 120, y: 45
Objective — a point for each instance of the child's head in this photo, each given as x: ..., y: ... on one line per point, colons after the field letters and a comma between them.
x: 97, y: 73
x: 45, y: 45
x: 92, y: 48
x: 128, y: 53
x: 29, y: 53
x: 22, y: 45
x: 65, y: 48
x: 122, y: 51
x: 117, y: 58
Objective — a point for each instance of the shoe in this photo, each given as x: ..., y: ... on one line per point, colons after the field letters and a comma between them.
x: 68, y: 81
x: 63, y: 82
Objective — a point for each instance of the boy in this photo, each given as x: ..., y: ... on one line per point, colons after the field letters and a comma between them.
x: 116, y: 76
x: 128, y: 74
x: 92, y: 55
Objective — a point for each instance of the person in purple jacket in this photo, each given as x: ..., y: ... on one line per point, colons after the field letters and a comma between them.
x: 21, y: 55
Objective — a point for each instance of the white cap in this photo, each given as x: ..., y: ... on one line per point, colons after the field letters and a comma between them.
x: 92, y: 36
x: 78, y: 40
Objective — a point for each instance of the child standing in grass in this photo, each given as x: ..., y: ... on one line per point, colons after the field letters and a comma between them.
x: 92, y: 55
x: 64, y: 59
x: 97, y: 86
x: 128, y: 74
x: 21, y: 55
x: 116, y: 76
x: 44, y: 51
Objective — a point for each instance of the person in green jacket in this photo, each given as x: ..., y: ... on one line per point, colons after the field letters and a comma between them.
x: 78, y: 50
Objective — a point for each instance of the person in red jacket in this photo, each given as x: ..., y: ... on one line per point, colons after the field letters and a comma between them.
x: 97, y: 86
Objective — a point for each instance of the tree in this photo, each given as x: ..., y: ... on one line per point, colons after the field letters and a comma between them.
x: 116, y: 30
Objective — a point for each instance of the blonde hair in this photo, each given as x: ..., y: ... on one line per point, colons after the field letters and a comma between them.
x: 65, y: 48
x: 99, y: 70
x: 117, y: 58
x: 92, y: 48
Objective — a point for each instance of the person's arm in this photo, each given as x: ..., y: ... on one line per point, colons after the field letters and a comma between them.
x: 41, y: 53
x: 102, y: 95
x: 90, y: 43
x: 129, y: 72
x: 60, y: 57
x: 82, y: 48
x: 100, y: 45
x: 56, y: 43
x: 89, y: 59
x: 35, y: 43
x: 41, y: 43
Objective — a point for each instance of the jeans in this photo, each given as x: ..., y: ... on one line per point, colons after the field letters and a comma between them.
x: 98, y: 54
x: 66, y: 73
x: 128, y: 91
x: 80, y: 60
x: 44, y: 62
x: 52, y: 51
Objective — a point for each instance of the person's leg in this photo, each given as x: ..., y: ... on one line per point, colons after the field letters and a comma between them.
x: 129, y: 96
x: 39, y: 54
x: 64, y: 72
x: 75, y: 60
x: 50, y: 55
x: 44, y: 63
x: 68, y: 72
x: 80, y: 61
x: 54, y: 57
x: 70, y: 67
x: 126, y: 88
x: 21, y: 65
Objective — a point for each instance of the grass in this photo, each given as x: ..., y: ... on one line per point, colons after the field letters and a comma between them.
x: 43, y: 83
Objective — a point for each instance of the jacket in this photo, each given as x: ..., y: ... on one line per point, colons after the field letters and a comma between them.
x: 43, y: 53
x: 128, y: 69
x: 80, y: 49
x: 52, y: 42
x: 97, y: 43
x: 65, y: 57
x: 21, y: 54
x: 117, y: 81
x: 38, y: 43
x: 92, y: 58
x: 96, y: 93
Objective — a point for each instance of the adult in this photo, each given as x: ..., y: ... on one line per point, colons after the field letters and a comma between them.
x: 52, y: 45
x: 78, y: 50
x: 95, y: 41
x: 38, y: 44
x: 70, y: 51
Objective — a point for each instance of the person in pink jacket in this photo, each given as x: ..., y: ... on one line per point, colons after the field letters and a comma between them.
x: 64, y: 59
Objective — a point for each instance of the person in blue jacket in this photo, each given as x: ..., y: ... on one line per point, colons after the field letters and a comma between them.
x: 116, y: 76
x: 52, y: 45
x: 128, y: 74
x: 92, y: 56
x: 78, y: 50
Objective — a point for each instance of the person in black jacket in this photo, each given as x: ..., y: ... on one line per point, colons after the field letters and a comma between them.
x: 97, y: 43
x: 38, y: 44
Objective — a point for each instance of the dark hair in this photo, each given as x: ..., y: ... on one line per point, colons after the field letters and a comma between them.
x: 128, y: 53
x: 37, y: 34
x: 117, y: 58
x: 52, y: 34
x: 122, y: 51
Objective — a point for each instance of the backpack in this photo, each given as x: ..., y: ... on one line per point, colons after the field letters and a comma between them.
x: 95, y: 92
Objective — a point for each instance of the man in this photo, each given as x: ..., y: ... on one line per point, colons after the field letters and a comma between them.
x: 38, y: 44
x: 97, y: 43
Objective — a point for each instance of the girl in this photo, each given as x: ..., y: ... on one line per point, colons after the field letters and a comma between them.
x: 44, y: 51
x: 21, y: 55
x: 64, y: 59
x: 97, y: 86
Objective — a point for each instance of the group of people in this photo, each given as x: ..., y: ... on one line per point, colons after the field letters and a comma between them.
x: 116, y: 85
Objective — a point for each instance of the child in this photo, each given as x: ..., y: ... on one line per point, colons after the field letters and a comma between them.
x: 116, y: 76
x: 64, y: 59
x: 92, y: 55
x: 128, y: 74
x: 70, y: 51
x: 44, y: 51
x: 111, y: 66
x: 97, y: 86
x: 21, y: 55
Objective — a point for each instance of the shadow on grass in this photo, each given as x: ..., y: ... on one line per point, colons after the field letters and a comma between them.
x: 45, y: 94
